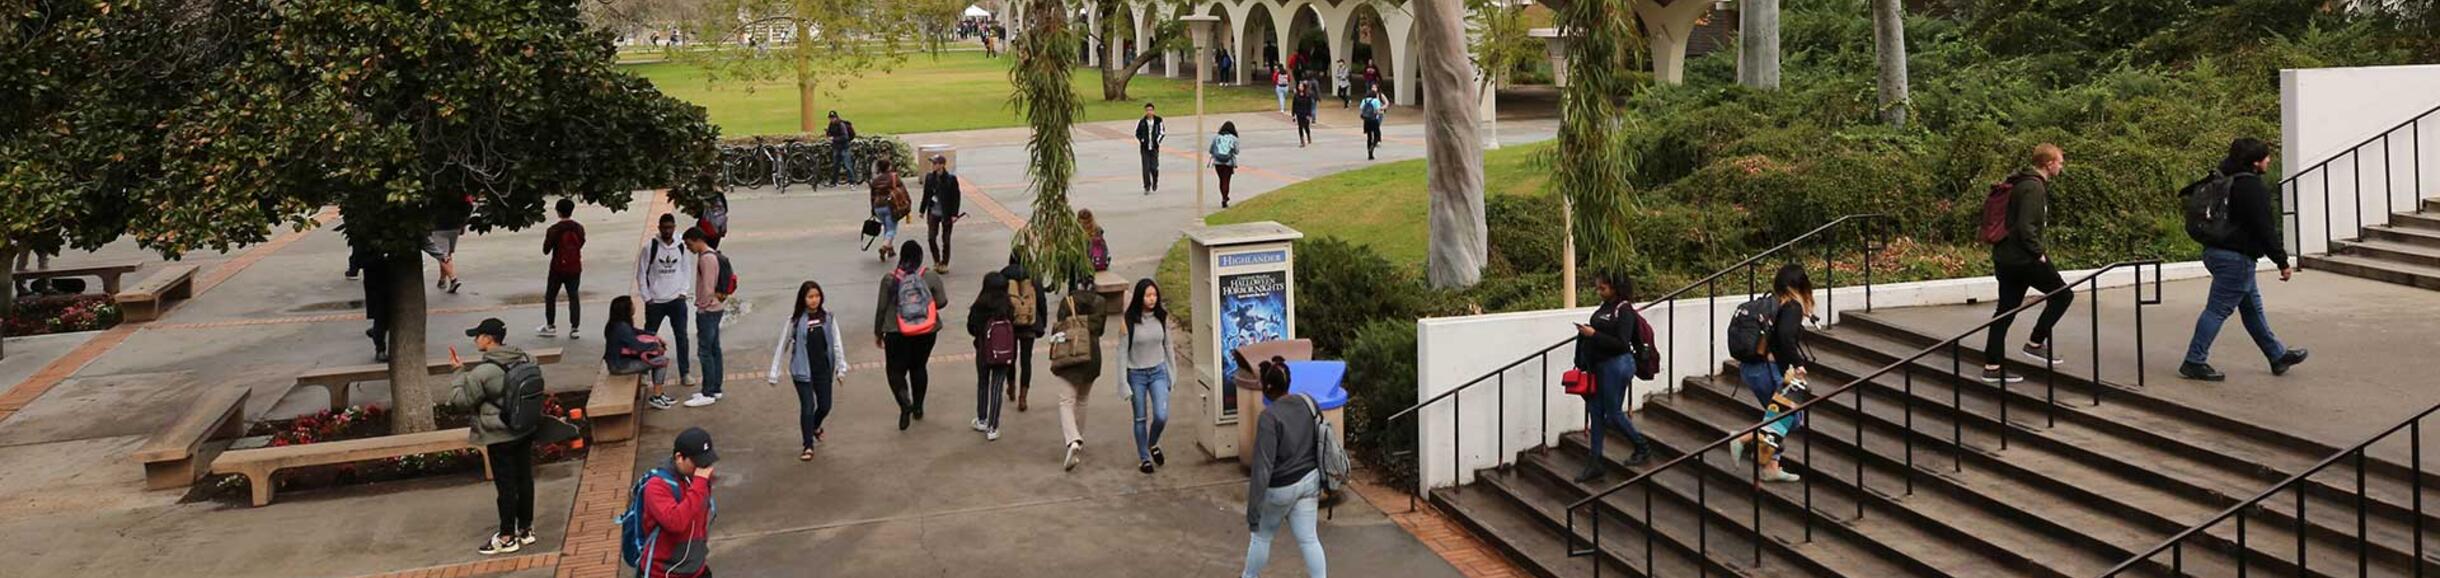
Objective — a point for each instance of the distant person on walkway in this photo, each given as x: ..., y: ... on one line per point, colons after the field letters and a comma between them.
x: 815, y: 358
x: 1279, y: 86
x: 889, y: 200
x: 842, y: 135
x: 1270, y: 54
x: 1338, y: 82
x: 991, y: 320
x: 484, y: 388
x: 1147, y: 357
x: 906, y: 324
x: 1372, y: 111
x: 564, y: 242
x: 712, y: 279
x: 942, y: 204
x: 1306, y: 101
x: 1286, y: 481
x: 2020, y: 261
x: 1096, y: 247
x: 714, y: 220
x: 1227, y: 65
x: 665, y: 276
x: 1372, y: 78
x: 2233, y: 288
x: 629, y: 352
x: 1032, y: 315
x: 1148, y: 135
x: 1224, y: 158
x: 1082, y: 301
x: 379, y: 297
x: 678, y: 510
x: 1607, y: 351
x: 448, y: 223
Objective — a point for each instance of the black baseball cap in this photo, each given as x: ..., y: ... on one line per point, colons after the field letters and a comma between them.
x: 490, y: 326
x: 696, y: 444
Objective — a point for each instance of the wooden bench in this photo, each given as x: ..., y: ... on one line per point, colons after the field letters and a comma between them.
x: 181, y: 452
x: 337, y: 380
x: 151, y: 298
x: 258, y: 465
x: 1113, y: 291
x: 611, y: 408
x: 108, y: 273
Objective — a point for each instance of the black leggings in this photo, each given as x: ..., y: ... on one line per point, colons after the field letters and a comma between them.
x: 939, y: 229
x: 512, y: 474
x: 1025, y: 365
x: 905, y: 357
x: 812, y: 406
x: 1304, y: 128
x: 2013, y: 281
x: 550, y: 300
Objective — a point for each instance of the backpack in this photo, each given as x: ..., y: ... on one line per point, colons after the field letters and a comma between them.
x: 1748, y: 327
x: 1098, y: 250
x: 1647, y: 356
x: 1331, y: 456
x: 999, y: 343
x: 1224, y: 150
x: 918, y: 314
x: 726, y: 284
x: 2205, y: 204
x: 1025, y: 300
x: 634, y: 543
x: 1996, y: 205
x: 1077, y: 348
x: 567, y: 253
x: 1371, y: 110
x: 521, y: 402
x: 715, y: 220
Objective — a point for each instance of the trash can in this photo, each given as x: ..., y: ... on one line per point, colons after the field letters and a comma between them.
x: 924, y: 154
x: 1249, y: 383
x: 1325, y: 381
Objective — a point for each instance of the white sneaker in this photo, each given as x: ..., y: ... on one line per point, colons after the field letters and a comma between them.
x: 572, y: 333
x: 546, y: 331
x: 1780, y: 476
x: 700, y: 400
x: 1069, y: 463
x: 992, y: 436
x: 978, y: 425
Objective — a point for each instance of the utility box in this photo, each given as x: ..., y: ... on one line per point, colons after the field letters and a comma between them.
x: 1243, y: 280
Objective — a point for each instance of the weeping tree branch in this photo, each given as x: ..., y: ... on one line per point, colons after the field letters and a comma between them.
x: 1053, y: 242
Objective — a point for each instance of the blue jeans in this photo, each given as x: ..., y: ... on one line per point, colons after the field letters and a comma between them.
x: 1282, y: 93
x: 1764, y: 380
x: 847, y: 165
x: 707, y: 343
x: 1151, y: 404
x: 889, y: 227
x: 675, y: 311
x: 2233, y: 290
x: 1296, y: 503
x: 1608, y: 406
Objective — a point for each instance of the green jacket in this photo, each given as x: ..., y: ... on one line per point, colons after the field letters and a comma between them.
x: 483, y: 387
x: 2028, y: 214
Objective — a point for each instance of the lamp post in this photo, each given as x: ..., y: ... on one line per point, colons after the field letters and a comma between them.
x: 1200, y: 27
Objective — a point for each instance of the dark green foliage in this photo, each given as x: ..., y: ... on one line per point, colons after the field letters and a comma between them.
x: 1381, y: 381
x: 1527, y: 233
x: 1341, y: 286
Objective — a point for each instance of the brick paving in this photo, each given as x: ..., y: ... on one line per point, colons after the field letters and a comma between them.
x: 1437, y: 531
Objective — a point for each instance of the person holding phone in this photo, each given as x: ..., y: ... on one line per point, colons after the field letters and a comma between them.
x: 1605, y: 347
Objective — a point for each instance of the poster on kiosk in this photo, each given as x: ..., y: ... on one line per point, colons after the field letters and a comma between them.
x: 1245, y: 275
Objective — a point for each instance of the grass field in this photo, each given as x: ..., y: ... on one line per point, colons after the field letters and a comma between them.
x: 959, y: 91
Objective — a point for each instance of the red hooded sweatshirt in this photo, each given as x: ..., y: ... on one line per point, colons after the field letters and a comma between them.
x: 685, y: 523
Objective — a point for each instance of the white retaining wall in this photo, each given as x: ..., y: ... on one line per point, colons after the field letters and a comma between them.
x: 2323, y: 114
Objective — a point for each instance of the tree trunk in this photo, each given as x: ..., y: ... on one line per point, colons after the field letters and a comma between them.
x: 410, y: 394
x: 1452, y: 144
x: 806, y: 122
x: 8, y: 293
x: 1758, y: 44
x: 1114, y: 79
x: 1889, y: 38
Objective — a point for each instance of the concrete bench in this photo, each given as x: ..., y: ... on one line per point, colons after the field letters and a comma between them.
x: 1113, y: 291
x: 611, y: 408
x: 108, y: 273
x: 153, y: 297
x: 180, y: 453
x: 337, y: 380
x: 259, y: 465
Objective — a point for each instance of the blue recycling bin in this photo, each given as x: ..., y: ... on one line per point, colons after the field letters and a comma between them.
x: 1324, y: 381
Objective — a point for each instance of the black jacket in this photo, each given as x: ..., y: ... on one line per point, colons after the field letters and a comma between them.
x: 1788, y: 335
x: 2028, y: 214
x: 1148, y: 134
x: 2249, y: 201
x: 1610, y: 322
x: 940, y: 189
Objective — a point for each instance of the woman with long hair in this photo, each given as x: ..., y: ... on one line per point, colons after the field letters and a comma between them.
x: 1306, y: 100
x: 1286, y: 482
x: 1080, y: 300
x: 1607, y: 349
x: 989, y: 316
x: 1096, y: 248
x: 1224, y: 157
x: 814, y: 358
x: 1792, y: 298
x: 1146, y: 356
x: 906, y: 325
x: 628, y: 352
x: 888, y: 193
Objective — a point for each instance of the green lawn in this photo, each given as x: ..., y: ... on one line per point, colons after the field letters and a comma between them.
x: 959, y: 91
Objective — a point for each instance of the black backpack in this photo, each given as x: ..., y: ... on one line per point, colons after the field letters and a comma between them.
x: 1749, y: 327
x: 521, y: 399
x: 2205, y: 205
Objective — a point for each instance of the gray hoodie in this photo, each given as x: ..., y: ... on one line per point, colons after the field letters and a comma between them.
x: 1285, y: 449
x: 483, y: 386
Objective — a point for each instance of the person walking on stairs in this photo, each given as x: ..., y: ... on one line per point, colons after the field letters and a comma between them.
x: 906, y: 325
x: 1606, y: 349
x: 1148, y: 135
x: 2020, y: 261
x: 814, y: 359
x: 2231, y: 261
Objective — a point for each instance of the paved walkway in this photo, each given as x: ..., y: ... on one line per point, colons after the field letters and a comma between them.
x: 936, y: 500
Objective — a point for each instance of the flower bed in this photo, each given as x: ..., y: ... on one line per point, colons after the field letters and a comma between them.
x: 368, y: 421
x: 47, y: 314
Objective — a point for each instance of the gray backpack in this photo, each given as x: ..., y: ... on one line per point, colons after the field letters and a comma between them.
x: 1332, y: 456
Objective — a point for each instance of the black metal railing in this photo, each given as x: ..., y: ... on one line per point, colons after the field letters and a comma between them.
x: 2292, y: 187
x: 2175, y: 546
x: 1871, y: 241
x: 1906, y: 366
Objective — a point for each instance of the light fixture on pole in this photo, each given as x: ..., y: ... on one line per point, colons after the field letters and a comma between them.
x: 1200, y: 28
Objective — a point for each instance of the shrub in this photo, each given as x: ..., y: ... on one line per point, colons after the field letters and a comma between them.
x: 46, y: 314
x: 1381, y: 381
x: 1341, y: 286
x: 1526, y: 233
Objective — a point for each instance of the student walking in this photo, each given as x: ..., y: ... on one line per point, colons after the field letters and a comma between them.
x: 665, y: 272
x: 1286, y: 481
x: 1306, y: 102
x: 890, y: 203
x: 675, y: 502
x: 1096, y: 247
x: 486, y: 388
x: 1147, y: 359
x: 906, y: 324
x: 564, y: 242
x: 2020, y: 262
x: 992, y: 322
x: 1372, y: 111
x: 1079, y: 311
x: 1607, y: 350
x: 941, y: 202
x: 1148, y: 135
x: 1372, y: 78
x: 714, y: 282
x: 1030, y: 315
x: 815, y: 358
x: 1279, y: 87
x: 842, y: 135
x: 2251, y: 235
x: 629, y: 352
x: 1788, y: 307
x: 1224, y: 158
x: 1338, y: 82
x: 378, y: 298
x: 448, y: 223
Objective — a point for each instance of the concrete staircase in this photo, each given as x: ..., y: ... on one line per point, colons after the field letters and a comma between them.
x: 2406, y: 251
x: 2070, y: 499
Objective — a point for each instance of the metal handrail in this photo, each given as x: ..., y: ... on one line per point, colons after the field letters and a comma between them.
x: 2288, y: 210
x: 2412, y: 425
x: 1593, y: 546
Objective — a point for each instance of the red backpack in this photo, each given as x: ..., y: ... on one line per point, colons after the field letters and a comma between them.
x: 1995, y: 212
x: 999, y: 343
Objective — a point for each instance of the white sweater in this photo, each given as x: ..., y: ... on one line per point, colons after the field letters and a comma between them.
x: 668, y: 276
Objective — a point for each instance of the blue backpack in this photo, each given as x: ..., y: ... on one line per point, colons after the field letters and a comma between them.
x: 634, y: 543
